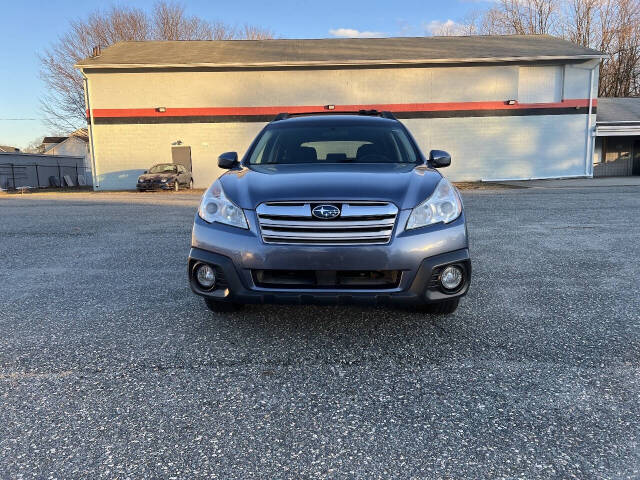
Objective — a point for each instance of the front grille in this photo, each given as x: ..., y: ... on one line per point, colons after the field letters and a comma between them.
x: 358, y: 223
x: 327, y: 279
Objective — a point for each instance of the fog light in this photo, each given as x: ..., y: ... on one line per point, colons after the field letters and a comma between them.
x: 451, y: 277
x: 206, y: 276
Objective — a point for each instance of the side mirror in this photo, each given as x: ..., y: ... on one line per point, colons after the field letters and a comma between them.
x: 146, y: 171
x: 228, y: 160
x: 439, y: 159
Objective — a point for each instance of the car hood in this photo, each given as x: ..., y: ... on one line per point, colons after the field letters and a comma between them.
x: 156, y: 176
x: 404, y: 185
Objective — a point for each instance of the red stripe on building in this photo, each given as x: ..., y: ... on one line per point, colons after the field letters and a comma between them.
x: 274, y: 110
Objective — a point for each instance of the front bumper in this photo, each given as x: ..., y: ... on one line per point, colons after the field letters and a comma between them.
x: 155, y: 186
x: 423, y: 287
x: 416, y: 253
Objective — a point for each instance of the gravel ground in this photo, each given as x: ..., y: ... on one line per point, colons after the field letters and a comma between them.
x: 111, y: 368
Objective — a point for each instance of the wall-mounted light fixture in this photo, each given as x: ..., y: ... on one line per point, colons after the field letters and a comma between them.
x: 161, y: 109
x: 329, y: 107
x: 510, y: 102
x: 177, y: 142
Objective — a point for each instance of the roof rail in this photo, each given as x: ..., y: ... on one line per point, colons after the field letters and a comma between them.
x: 372, y: 112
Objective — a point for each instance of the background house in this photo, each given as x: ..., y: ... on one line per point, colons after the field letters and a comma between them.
x: 617, y: 144
x: 56, y: 158
x: 74, y: 145
x: 505, y: 107
x: 49, y: 142
x: 8, y: 149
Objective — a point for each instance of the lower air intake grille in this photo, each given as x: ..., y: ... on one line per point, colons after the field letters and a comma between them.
x: 357, y: 223
x: 333, y: 279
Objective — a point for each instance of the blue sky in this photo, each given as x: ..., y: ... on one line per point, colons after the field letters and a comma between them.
x: 30, y: 26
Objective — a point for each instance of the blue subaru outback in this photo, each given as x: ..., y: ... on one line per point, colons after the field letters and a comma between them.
x: 331, y: 208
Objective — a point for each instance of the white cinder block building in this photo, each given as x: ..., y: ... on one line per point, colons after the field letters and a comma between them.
x: 505, y: 107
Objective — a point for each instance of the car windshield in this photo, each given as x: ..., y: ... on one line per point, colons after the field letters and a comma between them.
x: 163, y: 168
x: 333, y: 144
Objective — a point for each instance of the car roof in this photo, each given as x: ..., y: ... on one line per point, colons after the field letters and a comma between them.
x: 332, y: 119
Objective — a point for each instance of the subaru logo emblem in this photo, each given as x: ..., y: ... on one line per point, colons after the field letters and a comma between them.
x: 325, y: 212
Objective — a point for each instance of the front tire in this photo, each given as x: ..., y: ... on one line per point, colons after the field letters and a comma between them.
x: 442, y: 308
x: 221, y: 307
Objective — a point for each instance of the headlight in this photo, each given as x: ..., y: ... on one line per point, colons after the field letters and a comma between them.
x: 164, y: 180
x: 216, y: 207
x: 140, y: 179
x: 444, y: 205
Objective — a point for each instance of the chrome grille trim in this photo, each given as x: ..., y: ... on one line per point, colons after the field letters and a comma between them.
x: 358, y: 223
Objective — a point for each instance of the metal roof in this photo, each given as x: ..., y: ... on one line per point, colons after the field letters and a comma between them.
x: 618, y: 117
x: 614, y: 110
x: 8, y: 149
x: 337, y: 51
x: 54, y: 139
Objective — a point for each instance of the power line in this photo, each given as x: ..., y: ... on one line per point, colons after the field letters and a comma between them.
x: 19, y: 119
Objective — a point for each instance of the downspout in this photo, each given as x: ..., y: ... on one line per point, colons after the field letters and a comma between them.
x: 590, y: 141
x: 87, y: 102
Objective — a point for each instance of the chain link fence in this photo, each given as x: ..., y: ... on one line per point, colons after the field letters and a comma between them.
x: 20, y: 170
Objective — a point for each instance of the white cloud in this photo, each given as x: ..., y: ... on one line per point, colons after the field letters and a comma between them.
x: 405, y: 29
x: 353, y: 33
x: 438, y: 27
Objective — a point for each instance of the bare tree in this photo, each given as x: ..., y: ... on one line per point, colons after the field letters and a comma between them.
x: 508, y: 17
x: 251, y: 32
x: 525, y: 17
x: 620, y: 73
x: 493, y: 22
x: 64, y: 105
x: 171, y: 23
x: 580, y: 21
x: 35, y: 146
x: 611, y: 26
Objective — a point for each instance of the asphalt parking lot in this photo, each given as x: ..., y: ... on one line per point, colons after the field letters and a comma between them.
x: 111, y: 368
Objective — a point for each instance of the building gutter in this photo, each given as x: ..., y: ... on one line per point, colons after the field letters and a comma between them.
x: 618, y: 122
x: 591, y: 128
x: 609, y: 130
x: 92, y: 151
x: 331, y: 63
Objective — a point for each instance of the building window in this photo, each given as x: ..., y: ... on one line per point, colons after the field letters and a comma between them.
x: 540, y: 84
x: 617, y: 149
